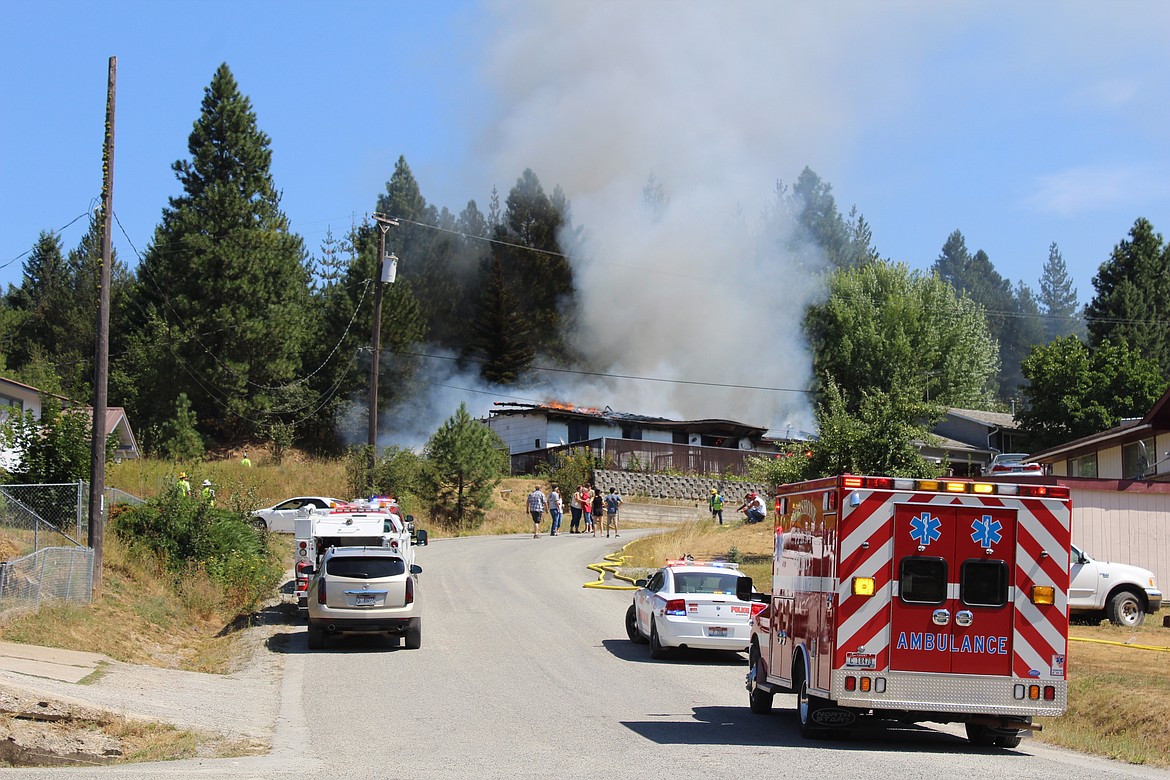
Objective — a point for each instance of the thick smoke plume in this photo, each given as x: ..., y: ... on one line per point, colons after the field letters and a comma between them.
x: 704, y: 107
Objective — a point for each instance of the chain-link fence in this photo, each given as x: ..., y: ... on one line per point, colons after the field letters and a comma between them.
x: 44, y: 537
x: 64, y: 573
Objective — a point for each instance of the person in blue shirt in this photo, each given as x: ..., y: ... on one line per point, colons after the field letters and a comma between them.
x: 612, y: 502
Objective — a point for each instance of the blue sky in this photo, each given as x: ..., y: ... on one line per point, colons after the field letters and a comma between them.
x: 1019, y: 127
x: 1020, y: 124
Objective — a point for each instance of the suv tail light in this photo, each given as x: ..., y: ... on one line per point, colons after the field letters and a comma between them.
x: 410, y: 590
x: 676, y: 607
x: 321, y: 591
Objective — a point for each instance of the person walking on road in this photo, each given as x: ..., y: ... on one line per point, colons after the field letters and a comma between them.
x: 612, y: 502
x: 536, y: 507
x: 575, y: 512
x: 715, y: 502
x: 556, y: 508
x: 598, y: 510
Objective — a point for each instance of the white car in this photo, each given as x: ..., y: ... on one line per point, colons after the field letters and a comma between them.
x: 364, y: 590
x: 279, y: 517
x: 689, y: 604
x: 1012, y: 463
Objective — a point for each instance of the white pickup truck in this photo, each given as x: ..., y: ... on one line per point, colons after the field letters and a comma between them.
x: 1125, y: 594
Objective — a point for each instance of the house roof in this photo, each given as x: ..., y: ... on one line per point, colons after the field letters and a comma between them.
x: 116, y: 422
x: 5, y: 380
x: 559, y: 410
x: 990, y: 419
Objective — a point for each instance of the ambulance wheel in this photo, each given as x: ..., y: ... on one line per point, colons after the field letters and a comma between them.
x: 980, y: 735
x: 806, y: 707
x: 761, y: 702
x: 1009, y: 741
x: 1125, y: 610
x: 632, y: 627
x: 656, y: 649
x: 316, y: 637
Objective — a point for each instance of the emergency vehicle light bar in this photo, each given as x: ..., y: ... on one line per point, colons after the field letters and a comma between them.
x: 950, y: 486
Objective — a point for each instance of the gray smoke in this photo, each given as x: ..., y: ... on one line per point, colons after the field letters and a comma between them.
x: 716, y: 102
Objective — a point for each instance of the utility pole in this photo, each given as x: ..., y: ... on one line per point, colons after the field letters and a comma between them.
x: 97, y: 480
x: 387, y: 269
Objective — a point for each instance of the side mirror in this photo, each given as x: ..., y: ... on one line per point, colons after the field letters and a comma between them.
x: 420, y: 537
x: 640, y: 583
x: 743, y: 588
x: 415, y: 568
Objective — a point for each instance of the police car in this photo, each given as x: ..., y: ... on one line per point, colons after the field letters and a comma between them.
x: 691, y: 604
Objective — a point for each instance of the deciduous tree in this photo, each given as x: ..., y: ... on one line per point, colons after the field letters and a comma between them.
x: 1074, y: 392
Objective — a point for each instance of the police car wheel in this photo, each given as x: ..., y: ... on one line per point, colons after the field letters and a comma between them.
x: 656, y: 648
x: 632, y: 627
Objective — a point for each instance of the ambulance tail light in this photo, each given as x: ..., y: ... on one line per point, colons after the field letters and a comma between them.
x: 1044, y: 491
x: 676, y: 607
x: 1043, y: 594
x: 864, y: 586
x: 1034, y: 692
x: 865, y: 684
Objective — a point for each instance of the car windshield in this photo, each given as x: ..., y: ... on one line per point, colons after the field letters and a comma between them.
x: 704, y: 582
x: 365, y: 568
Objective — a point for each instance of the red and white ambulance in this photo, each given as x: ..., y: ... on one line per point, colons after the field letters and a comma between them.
x: 916, y: 600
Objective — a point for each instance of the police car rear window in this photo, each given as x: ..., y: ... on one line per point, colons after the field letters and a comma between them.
x: 372, y: 568
x: 694, y: 582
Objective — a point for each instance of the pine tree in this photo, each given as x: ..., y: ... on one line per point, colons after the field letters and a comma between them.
x: 1132, y: 304
x: 465, y: 461
x: 225, y: 271
x: 500, y: 335
x: 1058, y: 297
x: 535, y: 266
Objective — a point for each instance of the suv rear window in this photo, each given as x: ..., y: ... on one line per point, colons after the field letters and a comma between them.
x: 372, y: 568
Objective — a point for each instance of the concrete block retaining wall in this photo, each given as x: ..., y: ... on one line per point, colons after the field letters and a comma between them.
x: 637, y: 483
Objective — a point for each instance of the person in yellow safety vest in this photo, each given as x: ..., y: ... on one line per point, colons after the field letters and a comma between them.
x: 246, y: 462
x: 715, y: 502
x: 183, y: 484
x: 207, y: 493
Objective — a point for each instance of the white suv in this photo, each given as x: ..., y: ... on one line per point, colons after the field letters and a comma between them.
x: 364, y: 590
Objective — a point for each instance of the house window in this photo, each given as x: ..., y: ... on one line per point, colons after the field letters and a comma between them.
x: 578, y: 431
x: 632, y: 433
x: 10, y: 407
x: 1136, y: 460
x: 1084, y: 466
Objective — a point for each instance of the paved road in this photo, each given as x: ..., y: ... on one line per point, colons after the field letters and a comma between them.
x: 525, y: 674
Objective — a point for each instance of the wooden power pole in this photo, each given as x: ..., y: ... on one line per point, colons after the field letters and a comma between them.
x: 97, y: 481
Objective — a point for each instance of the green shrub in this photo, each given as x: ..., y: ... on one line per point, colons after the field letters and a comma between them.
x: 186, y: 534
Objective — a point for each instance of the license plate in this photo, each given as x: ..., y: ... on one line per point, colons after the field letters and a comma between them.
x: 717, y: 631
x: 365, y: 600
